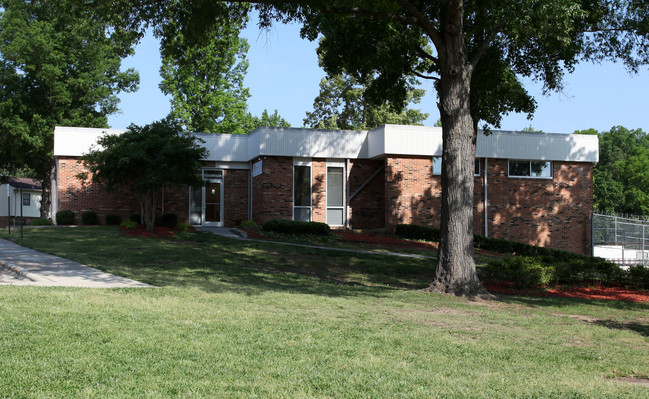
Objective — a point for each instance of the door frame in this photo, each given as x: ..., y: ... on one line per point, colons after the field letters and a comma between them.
x: 221, y: 212
x: 211, y: 176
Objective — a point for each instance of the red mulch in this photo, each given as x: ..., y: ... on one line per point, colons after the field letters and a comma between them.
x: 611, y: 292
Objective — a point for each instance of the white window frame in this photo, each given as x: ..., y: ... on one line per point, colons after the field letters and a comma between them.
x: 303, y: 162
x: 344, y: 188
x: 437, y: 171
x: 550, y: 167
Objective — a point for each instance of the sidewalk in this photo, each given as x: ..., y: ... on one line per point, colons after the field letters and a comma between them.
x: 24, y: 266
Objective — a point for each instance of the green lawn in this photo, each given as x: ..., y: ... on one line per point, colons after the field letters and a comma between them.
x: 248, y: 319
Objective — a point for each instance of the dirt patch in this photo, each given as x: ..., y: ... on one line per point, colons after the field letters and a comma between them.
x: 634, y: 380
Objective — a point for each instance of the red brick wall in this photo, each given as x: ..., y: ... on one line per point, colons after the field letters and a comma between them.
x: 367, y: 208
x: 235, y: 196
x: 546, y: 212
x: 319, y: 190
x: 273, y: 190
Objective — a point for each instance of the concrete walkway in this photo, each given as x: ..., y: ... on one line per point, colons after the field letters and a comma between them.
x: 24, y: 266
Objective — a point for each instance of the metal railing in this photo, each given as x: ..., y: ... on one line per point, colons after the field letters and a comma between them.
x: 622, y: 240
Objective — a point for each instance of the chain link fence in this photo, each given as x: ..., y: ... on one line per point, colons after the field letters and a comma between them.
x: 622, y: 240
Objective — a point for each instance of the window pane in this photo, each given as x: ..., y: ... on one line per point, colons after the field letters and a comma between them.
x: 302, y: 214
x: 519, y: 168
x: 476, y: 168
x: 301, y: 185
x: 437, y: 165
x: 335, y: 217
x: 335, y: 186
x: 26, y: 199
x: 541, y: 168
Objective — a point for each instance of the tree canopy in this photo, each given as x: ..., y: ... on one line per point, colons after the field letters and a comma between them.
x: 60, y: 64
x: 621, y: 177
x: 204, y: 71
x: 145, y: 159
x: 341, y: 105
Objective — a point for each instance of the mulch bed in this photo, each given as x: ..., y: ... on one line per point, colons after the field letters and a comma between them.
x: 596, y: 291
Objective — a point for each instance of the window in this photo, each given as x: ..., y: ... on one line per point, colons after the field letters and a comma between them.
x: 437, y: 165
x: 538, y: 169
x: 26, y: 199
x: 302, y: 192
x: 335, y: 196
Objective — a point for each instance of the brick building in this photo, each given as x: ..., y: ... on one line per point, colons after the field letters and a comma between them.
x: 530, y: 187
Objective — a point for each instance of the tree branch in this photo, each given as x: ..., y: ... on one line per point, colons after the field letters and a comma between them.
x: 421, y: 75
x: 426, y: 55
x: 483, y: 47
x: 424, y: 23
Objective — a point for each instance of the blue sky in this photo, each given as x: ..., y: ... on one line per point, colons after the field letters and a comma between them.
x: 284, y: 75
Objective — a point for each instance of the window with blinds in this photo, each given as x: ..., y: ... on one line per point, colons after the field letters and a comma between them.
x: 335, y: 196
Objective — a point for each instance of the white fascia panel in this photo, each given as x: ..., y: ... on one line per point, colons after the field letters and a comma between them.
x: 311, y: 143
x: 225, y: 147
x: 405, y: 140
x: 77, y: 141
x: 538, y: 146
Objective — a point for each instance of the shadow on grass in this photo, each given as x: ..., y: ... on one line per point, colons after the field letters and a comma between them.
x: 536, y: 301
x: 640, y: 328
x: 217, y: 264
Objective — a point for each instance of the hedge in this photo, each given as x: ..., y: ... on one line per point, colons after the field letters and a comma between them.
x: 64, y: 217
x: 297, y: 227
x: 89, y: 217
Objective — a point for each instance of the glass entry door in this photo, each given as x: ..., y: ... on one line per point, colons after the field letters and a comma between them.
x: 213, y: 210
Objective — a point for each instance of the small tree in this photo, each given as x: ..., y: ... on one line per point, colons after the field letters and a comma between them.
x: 145, y: 159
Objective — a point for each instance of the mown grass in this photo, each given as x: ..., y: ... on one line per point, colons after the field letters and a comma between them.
x: 242, y: 319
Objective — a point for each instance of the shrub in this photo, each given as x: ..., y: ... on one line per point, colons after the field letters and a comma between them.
x: 184, y: 226
x: 416, y: 232
x: 297, y: 227
x: 248, y: 223
x: 89, y: 217
x: 64, y: 217
x: 638, y: 276
x: 113, y: 220
x: 168, y: 220
x: 41, y: 222
x: 129, y: 224
x: 523, y: 271
x: 135, y: 217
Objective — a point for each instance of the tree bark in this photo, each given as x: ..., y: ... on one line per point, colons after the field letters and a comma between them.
x: 46, y: 194
x: 456, y: 272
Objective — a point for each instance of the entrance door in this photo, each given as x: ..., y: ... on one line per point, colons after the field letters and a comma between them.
x: 212, y: 210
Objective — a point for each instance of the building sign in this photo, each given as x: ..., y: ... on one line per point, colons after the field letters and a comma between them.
x: 256, y: 168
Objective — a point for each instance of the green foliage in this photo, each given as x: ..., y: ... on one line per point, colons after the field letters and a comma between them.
x: 297, y: 227
x: 639, y: 276
x: 523, y: 271
x: 129, y: 224
x: 203, y: 71
x: 248, y: 223
x: 40, y: 222
x: 60, y: 64
x: 341, y: 105
x: 113, y: 220
x: 135, y: 217
x: 168, y: 220
x: 144, y: 160
x: 89, y: 217
x: 65, y: 217
x: 266, y: 120
x: 184, y: 226
x: 620, y: 178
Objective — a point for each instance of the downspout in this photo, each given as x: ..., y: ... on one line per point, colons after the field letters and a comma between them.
x: 250, y: 216
x: 55, y: 191
x: 486, y: 201
x: 347, y: 200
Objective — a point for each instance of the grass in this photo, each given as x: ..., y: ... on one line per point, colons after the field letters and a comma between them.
x: 242, y: 319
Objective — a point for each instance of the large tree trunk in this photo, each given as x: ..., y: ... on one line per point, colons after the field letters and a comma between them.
x: 148, y: 206
x: 456, y: 272
x: 46, y: 194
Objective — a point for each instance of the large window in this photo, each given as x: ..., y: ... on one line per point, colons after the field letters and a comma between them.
x: 302, y: 192
x: 26, y: 199
x: 537, y: 169
x: 335, y: 196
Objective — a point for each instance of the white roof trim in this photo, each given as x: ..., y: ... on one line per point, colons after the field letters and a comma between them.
x: 344, y: 144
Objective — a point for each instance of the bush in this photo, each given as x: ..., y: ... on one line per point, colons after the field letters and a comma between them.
x: 129, y: 224
x: 248, y: 223
x: 64, y: 217
x: 41, y: 222
x: 297, y: 227
x: 113, y: 220
x: 135, y: 217
x: 523, y: 271
x: 638, y: 276
x: 416, y: 232
x: 89, y: 217
x: 168, y: 220
x: 184, y: 226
